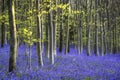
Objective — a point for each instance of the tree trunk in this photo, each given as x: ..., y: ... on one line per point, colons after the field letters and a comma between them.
x: 3, y: 26
x: 61, y: 30
x: 61, y: 37
x: 81, y: 41
x: 54, y: 28
x: 89, y: 19
x: 67, y: 39
x: 88, y: 41
x: 96, y: 28
x: 47, y: 39
x: 39, y: 43
x: 104, y: 36
x: 67, y: 35
x: 101, y: 39
x: 51, y: 37
x: 13, y: 36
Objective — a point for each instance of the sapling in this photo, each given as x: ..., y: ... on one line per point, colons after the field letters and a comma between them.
x: 28, y: 40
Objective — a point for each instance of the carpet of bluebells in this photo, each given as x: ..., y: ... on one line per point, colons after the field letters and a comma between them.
x: 67, y: 67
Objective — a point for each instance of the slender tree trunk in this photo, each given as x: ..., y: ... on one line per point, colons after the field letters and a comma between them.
x: 47, y: 34
x: 30, y: 24
x: 102, y: 45
x: 42, y: 29
x: 51, y: 37
x: 61, y: 30
x: 96, y: 28
x: 17, y: 25
x: 54, y: 38
x: 29, y: 57
x: 109, y: 30
x: 101, y: 39
x: 88, y: 41
x: 3, y: 26
x: 39, y: 43
x: 61, y: 37
x: 80, y: 41
x: 113, y: 40
x: 101, y: 30
x: 115, y: 37
x: 13, y: 36
x: 54, y: 29
x: 67, y: 39
x: 47, y: 39
x: 67, y: 35
x: 88, y: 27
x: 104, y: 36
x: 111, y: 46
x: 104, y: 29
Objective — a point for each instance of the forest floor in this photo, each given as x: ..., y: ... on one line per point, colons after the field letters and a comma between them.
x: 67, y: 67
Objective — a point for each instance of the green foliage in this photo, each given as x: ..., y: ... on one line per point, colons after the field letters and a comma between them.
x: 18, y: 74
x: 4, y: 18
x: 88, y: 78
x: 63, y: 6
x: 27, y: 36
x: 75, y: 12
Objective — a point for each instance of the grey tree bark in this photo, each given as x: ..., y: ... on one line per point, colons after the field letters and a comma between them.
x: 67, y: 33
x: 51, y: 37
x: 13, y: 36
x: 39, y: 43
x: 96, y: 28
x: 101, y: 31
x: 89, y: 20
x: 55, y: 28
x: 61, y: 30
x: 3, y: 26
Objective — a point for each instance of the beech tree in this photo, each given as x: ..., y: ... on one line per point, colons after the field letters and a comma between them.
x: 96, y: 28
x: 51, y: 35
x: 3, y: 25
x: 13, y: 36
x: 38, y: 29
